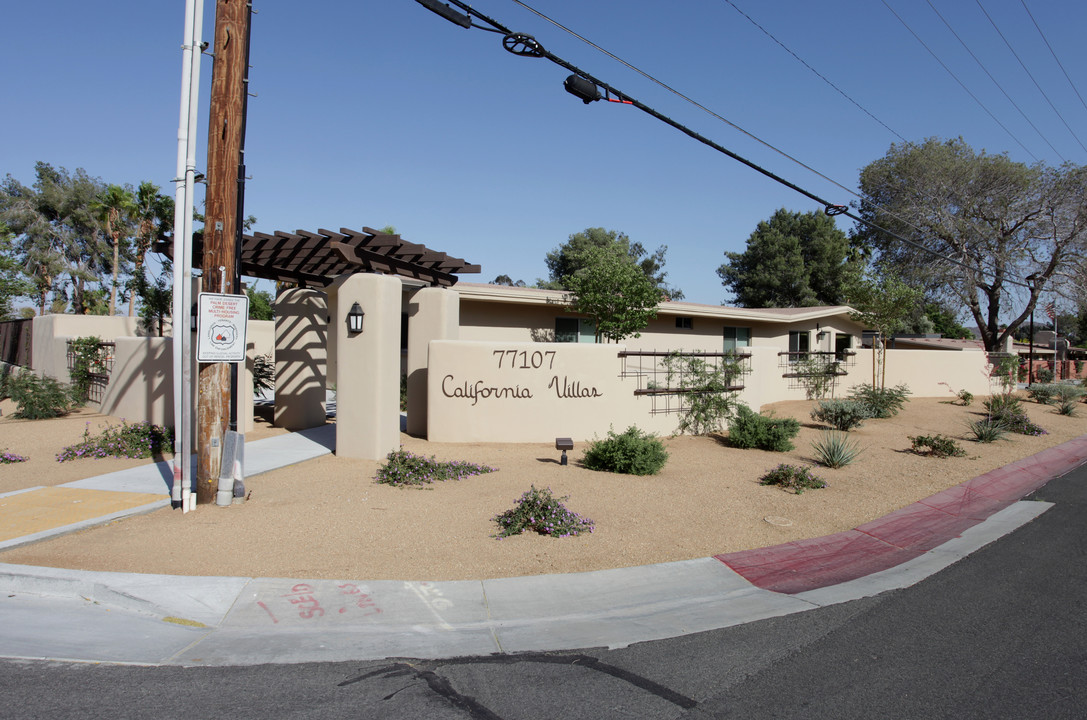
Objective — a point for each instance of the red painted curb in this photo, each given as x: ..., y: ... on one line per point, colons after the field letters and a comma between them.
x: 804, y: 565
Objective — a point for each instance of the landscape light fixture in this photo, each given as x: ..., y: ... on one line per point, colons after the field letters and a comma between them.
x: 582, y: 88
x: 354, y: 319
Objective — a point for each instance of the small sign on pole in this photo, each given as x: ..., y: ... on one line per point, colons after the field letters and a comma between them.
x: 221, y: 327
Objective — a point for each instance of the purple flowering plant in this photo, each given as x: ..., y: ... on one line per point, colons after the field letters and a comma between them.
x: 541, y: 512
x: 403, y: 467
x: 7, y: 458
x: 135, y: 440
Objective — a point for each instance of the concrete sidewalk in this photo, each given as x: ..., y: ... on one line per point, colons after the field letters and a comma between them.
x: 162, y: 619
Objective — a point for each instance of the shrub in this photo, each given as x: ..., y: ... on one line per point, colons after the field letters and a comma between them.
x: 842, y: 415
x: 632, y: 453
x: 37, y: 398
x: 541, y: 512
x: 1066, y: 392
x: 1068, y: 407
x: 1043, y: 375
x: 7, y: 458
x: 936, y: 446
x: 138, y: 440
x: 88, y: 357
x: 1002, y: 404
x: 1041, y: 393
x: 749, y: 429
x: 836, y: 449
x: 965, y: 397
x: 881, y: 402
x: 817, y: 375
x: 402, y: 467
x: 1006, y: 411
x: 986, y: 430
x: 797, y: 478
x: 264, y: 374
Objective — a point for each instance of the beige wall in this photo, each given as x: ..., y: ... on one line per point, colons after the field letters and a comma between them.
x: 52, y: 332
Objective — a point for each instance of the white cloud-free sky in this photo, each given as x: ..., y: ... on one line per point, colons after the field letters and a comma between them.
x: 382, y: 113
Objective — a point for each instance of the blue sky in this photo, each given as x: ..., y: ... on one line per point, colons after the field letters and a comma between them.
x: 383, y: 113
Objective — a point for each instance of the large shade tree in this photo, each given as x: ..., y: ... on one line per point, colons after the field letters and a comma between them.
x: 792, y: 260
x: 58, y: 240
x: 987, y: 233
x: 567, y: 259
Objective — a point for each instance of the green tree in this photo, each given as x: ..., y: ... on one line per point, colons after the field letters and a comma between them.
x: 58, y: 241
x: 261, y: 304
x: 792, y: 260
x: 114, y: 208
x: 567, y: 259
x: 13, y: 283
x: 156, y: 298
x: 154, y: 216
x: 507, y: 280
x: 610, y: 288
x: 882, y: 304
x: 1010, y: 230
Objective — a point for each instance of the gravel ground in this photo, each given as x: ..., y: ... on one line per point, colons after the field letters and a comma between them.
x: 327, y: 518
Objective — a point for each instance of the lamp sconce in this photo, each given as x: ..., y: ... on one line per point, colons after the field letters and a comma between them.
x: 354, y: 319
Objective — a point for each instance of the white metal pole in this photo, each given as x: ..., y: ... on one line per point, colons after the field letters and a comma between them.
x: 181, y: 448
x: 186, y: 289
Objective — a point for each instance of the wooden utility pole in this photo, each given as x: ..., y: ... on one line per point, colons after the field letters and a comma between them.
x: 225, y: 137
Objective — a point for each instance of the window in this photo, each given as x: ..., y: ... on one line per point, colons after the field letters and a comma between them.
x: 799, y: 342
x: 842, y: 342
x: 684, y: 323
x: 736, y: 337
x: 568, y: 329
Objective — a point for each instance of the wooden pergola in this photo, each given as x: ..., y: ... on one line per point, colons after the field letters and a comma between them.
x: 315, y: 259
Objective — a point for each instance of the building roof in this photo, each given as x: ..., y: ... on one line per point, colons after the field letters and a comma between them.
x: 537, y: 296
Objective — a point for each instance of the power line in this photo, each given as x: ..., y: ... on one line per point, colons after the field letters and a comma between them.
x: 817, y: 73
x: 960, y: 82
x: 1031, y: 76
x: 1054, y: 54
x: 527, y: 46
x: 982, y: 66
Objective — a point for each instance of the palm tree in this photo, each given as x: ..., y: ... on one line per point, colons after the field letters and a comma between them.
x: 154, y: 215
x: 115, y: 207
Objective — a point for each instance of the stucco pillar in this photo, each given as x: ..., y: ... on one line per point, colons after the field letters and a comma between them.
x: 368, y: 367
x: 301, y: 334
x: 433, y: 314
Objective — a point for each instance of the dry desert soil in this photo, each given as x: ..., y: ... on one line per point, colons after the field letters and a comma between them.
x: 328, y: 518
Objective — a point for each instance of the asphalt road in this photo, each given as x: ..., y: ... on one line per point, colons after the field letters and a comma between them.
x: 1001, y: 634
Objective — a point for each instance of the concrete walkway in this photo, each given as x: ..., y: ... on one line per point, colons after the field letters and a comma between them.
x: 164, y: 619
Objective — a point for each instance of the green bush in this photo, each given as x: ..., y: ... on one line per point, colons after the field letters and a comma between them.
x: 881, y: 402
x: 835, y: 449
x: 965, y: 397
x: 749, y: 429
x: 37, y: 398
x: 1068, y: 407
x: 936, y: 445
x: 704, y: 388
x: 1042, y: 393
x: 1067, y: 392
x: 986, y: 430
x: 138, y: 440
x: 632, y: 453
x: 89, y: 356
x: 1043, y: 375
x: 843, y: 415
x: 797, y: 478
x: 541, y: 512
x: 402, y: 467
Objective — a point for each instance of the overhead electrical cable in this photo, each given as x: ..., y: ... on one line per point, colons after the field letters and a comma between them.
x: 1031, y: 76
x: 960, y: 82
x: 995, y: 82
x: 1054, y: 54
x: 817, y: 73
x: 586, y: 86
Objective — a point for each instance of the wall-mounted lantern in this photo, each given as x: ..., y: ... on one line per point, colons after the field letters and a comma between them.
x: 354, y: 319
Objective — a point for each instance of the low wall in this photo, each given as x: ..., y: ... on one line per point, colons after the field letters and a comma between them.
x: 141, y: 385
x: 536, y: 392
